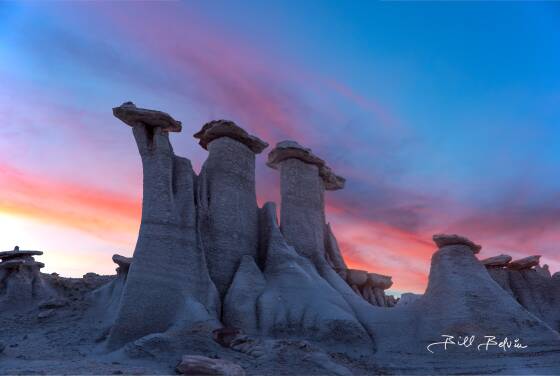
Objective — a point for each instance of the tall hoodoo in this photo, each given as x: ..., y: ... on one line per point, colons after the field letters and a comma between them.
x: 227, y: 202
x: 168, y: 265
x: 304, y: 177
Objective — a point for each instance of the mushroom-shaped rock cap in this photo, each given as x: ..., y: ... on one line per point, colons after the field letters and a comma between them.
x: 501, y: 260
x: 291, y: 149
x: 18, y: 254
x: 380, y: 280
x: 496, y: 261
x: 129, y: 114
x: 525, y: 263
x: 357, y: 277
x: 14, y: 263
x: 443, y: 240
x: 226, y: 128
x: 122, y: 261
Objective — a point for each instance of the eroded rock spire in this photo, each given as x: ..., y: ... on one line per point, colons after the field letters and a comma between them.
x: 227, y: 201
x: 304, y: 177
x: 168, y: 267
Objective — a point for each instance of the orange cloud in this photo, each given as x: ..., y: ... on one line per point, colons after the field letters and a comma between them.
x: 105, y: 214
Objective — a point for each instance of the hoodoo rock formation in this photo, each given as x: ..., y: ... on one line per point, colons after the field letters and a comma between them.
x: 370, y: 286
x: 227, y: 201
x: 304, y: 177
x: 217, y: 284
x: 20, y: 280
x: 462, y: 300
x: 169, y: 276
x: 529, y: 284
x: 207, y: 255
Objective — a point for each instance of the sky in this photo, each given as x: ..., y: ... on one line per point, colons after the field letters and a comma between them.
x: 442, y: 116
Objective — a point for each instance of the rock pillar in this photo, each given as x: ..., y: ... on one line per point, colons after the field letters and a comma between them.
x: 168, y: 266
x: 20, y: 279
x: 304, y: 177
x: 227, y: 203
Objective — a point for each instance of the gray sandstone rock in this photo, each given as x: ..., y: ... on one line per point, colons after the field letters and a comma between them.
x: 538, y: 294
x: 6, y: 255
x: 502, y: 277
x: 524, y: 263
x: 169, y: 269
x: 379, y: 280
x: 543, y: 271
x: 333, y: 253
x: 21, y: 283
x: 357, y: 277
x: 122, y: 262
x: 290, y: 149
x: 302, y: 219
x: 454, y: 305
x: 408, y: 298
x: 240, y: 303
x: 53, y: 303
x: 227, y: 208
x: 46, y: 314
x: 298, y: 302
x: 201, y: 365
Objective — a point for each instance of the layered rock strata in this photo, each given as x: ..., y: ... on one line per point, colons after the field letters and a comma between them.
x: 288, y: 298
x: 370, y: 286
x: 287, y: 279
x: 530, y: 284
x: 227, y: 202
x: 20, y: 278
x: 455, y: 306
x: 168, y: 276
x: 304, y: 177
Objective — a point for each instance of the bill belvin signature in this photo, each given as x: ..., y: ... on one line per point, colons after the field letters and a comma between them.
x: 483, y: 344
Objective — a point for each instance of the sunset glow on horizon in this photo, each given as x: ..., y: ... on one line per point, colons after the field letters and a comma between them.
x: 440, y: 119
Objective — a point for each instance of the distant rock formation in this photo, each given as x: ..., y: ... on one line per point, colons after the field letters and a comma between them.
x: 369, y: 286
x: 20, y: 279
x: 496, y: 261
x: 530, y: 284
x: 461, y: 300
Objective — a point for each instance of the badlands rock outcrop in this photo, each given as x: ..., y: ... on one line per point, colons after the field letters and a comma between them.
x: 530, y: 285
x: 461, y: 301
x: 20, y: 280
x: 496, y: 261
x: 220, y: 285
x: 227, y: 201
x: 169, y: 275
x: 207, y: 255
x: 370, y: 286
x: 304, y: 177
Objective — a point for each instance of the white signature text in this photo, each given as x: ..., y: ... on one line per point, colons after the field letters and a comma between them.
x: 483, y: 344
